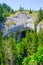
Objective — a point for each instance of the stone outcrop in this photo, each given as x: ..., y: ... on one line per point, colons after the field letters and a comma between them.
x: 40, y: 26
x: 22, y: 21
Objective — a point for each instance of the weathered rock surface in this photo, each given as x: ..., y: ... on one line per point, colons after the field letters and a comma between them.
x: 40, y: 26
x: 21, y: 20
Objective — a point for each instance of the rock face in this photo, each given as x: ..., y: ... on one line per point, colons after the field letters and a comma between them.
x: 2, y: 26
x: 40, y: 26
x: 19, y: 22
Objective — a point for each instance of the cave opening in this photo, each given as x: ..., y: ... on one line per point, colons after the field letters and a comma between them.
x: 23, y: 34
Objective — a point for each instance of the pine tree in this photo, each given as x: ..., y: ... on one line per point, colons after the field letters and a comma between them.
x: 30, y: 11
x: 40, y: 15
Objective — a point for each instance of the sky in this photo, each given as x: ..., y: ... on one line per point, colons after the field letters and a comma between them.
x: 26, y: 4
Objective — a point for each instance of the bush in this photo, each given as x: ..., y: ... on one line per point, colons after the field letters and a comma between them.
x: 30, y: 12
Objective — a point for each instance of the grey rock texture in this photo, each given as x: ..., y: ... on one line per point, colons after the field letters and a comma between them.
x: 22, y: 21
x: 40, y: 26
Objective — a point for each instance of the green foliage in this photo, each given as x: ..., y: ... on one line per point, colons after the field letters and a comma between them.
x: 40, y: 15
x: 28, y: 51
x: 1, y: 15
x: 30, y: 11
x: 35, y: 59
x: 40, y: 38
x: 3, y: 57
x: 6, y: 8
x: 26, y: 61
x: 31, y: 39
x: 21, y: 9
x: 5, y: 11
x: 6, y: 14
x: 39, y: 55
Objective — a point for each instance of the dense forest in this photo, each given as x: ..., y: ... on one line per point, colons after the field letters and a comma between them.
x: 29, y: 50
x: 5, y: 11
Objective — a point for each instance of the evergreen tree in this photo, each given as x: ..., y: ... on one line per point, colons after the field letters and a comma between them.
x: 30, y: 11
x: 21, y: 9
x: 1, y: 14
x: 40, y: 15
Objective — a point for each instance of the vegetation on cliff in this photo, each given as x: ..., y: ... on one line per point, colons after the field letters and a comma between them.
x: 28, y: 51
